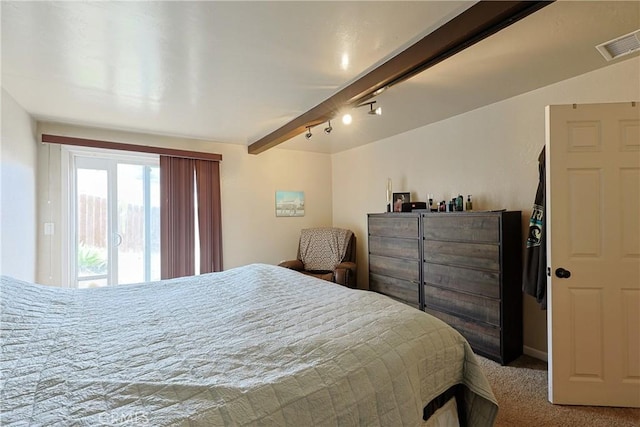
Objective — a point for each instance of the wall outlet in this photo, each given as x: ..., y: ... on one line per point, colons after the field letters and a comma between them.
x: 48, y: 229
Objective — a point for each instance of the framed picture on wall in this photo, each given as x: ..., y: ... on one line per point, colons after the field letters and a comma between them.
x: 399, y: 199
x: 289, y: 203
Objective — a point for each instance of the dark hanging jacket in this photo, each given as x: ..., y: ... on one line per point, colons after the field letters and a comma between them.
x: 534, y: 277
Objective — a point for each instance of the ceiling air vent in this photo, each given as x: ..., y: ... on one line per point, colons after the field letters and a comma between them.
x: 620, y: 46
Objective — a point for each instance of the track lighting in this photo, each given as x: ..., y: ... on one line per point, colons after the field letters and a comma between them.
x: 347, y: 119
x: 372, y: 111
x: 376, y: 112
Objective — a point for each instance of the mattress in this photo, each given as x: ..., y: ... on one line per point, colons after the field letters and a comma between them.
x: 254, y: 345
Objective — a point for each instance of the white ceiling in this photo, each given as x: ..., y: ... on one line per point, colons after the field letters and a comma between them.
x: 235, y: 71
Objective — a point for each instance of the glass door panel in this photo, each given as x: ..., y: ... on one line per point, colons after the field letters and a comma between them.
x: 131, y: 221
x: 138, y: 212
x: 92, y: 227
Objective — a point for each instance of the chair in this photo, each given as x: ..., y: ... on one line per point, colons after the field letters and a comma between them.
x: 326, y: 253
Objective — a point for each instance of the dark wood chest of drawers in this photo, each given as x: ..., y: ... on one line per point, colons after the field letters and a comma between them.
x: 464, y: 268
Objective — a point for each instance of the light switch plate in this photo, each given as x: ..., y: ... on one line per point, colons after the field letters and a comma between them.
x: 48, y: 229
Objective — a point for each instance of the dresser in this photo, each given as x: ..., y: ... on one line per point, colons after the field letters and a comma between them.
x: 469, y: 272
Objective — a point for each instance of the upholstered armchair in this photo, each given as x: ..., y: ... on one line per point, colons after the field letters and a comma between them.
x: 326, y: 253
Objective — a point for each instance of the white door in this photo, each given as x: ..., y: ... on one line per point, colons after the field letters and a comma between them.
x: 593, y: 202
x: 116, y: 218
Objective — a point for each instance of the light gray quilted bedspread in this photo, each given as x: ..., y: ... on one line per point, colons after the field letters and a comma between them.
x: 255, y: 345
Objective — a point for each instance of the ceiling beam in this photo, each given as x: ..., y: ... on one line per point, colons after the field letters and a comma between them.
x: 476, y: 23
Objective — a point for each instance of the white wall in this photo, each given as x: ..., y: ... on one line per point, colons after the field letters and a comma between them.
x: 251, y: 231
x: 490, y: 153
x: 18, y: 154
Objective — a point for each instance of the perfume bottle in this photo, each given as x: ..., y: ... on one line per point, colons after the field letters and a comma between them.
x: 469, y: 205
x: 459, y: 203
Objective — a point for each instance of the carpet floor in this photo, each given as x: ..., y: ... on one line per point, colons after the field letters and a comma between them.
x: 521, y: 390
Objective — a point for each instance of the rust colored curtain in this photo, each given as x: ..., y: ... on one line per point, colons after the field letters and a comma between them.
x: 177, y: 217
x: 209, y: 215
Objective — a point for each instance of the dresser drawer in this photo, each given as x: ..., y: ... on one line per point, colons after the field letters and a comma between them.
x: 395, y: 267
x: 483, y: 339
x: 400, y: 290
x: 479, y: 282
x: 462, y: 227
x: 394, y: 225
x: 485, y: 310
x: 393, y: 247
x: 478, y: 255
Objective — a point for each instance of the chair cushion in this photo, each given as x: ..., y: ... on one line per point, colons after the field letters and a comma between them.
x: 323, y: 248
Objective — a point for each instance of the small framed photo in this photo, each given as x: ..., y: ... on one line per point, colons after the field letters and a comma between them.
x: 289, y: 203
x: 399, y: 199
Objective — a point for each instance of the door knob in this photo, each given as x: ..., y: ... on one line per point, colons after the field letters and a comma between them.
x: 562, y: 273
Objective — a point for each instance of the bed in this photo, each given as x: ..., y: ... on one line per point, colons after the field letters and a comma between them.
x: 254, y: 345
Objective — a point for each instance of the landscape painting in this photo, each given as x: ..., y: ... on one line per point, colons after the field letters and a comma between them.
x: 289, y: 203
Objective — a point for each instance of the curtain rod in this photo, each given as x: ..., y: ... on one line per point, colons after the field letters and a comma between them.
x: 84, y: 142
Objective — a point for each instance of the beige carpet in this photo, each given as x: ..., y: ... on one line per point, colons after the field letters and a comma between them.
x: 521, y: 390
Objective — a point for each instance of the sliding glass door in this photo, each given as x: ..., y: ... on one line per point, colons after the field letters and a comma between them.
x: 116, y: 220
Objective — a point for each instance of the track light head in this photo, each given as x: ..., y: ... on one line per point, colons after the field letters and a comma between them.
x: 328, y: 129
x: 308, y: 135
x: 379, y: 91
x: 376, y: 112
x: 346, y: 119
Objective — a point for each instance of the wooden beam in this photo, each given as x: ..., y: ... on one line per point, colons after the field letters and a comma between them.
x: 476, y: 23
x: 83, y: 142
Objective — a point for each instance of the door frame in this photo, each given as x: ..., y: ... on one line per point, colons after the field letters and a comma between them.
x: 69, y: 154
